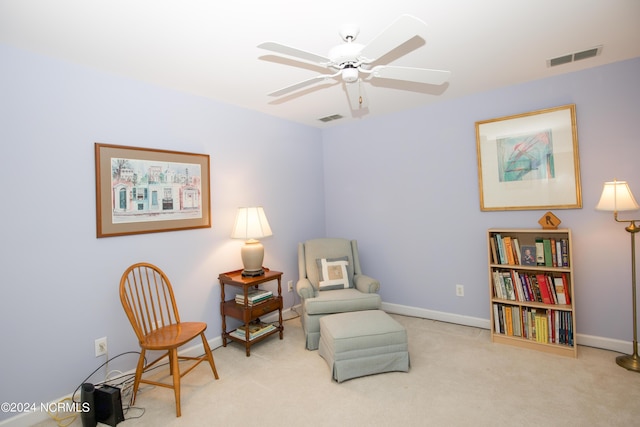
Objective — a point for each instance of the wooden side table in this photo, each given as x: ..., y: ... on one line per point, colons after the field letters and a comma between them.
x: 245, y: 312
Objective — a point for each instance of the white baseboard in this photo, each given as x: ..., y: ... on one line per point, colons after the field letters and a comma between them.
x: 605, y: 343
x: 586, y: 340
x: 436, y: 315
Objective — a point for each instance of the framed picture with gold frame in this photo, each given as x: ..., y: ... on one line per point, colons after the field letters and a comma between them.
x: 144, y: 190
x: 529, y: 161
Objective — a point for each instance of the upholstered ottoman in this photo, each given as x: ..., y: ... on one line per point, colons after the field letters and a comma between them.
x: 362, y: 343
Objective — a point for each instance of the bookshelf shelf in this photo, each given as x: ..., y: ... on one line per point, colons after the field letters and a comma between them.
x: 533, y: 305
x: 248, y: 313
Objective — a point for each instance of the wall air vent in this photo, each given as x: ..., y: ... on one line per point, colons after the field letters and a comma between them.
x: 576, y: 56
x: 329, y: 118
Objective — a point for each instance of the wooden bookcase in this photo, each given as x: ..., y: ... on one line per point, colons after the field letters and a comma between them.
x: 526, y: 317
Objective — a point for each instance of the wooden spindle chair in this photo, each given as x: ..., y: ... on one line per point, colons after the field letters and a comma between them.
x: 147, y: 298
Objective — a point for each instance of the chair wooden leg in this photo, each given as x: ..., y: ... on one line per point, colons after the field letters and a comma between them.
x: 207, y: 352
x: 173, y: 359
x: 139, y: 369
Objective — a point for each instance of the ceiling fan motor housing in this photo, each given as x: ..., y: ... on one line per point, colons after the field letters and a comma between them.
x: 348, y: 53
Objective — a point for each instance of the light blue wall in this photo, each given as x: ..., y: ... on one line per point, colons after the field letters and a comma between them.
x: 59, y: 282
x: 406, y: 186
x: 381, y: 180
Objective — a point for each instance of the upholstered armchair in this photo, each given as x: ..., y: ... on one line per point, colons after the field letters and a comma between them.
x: 330, y: 282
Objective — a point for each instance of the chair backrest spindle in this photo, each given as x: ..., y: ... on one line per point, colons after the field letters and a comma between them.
x: 148, y: 299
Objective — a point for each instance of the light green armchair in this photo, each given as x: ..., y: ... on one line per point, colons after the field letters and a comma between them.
x: 323, y: 287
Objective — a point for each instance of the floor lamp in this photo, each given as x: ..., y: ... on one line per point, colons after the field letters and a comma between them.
x: 617, y: 196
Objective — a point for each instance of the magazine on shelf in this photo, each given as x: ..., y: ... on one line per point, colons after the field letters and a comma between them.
x: 255, y: 331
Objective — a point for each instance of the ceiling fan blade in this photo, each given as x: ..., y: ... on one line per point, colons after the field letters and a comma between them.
x: 292, y: 51
x: 400, y: 31
x: 302, y: 84
x: 356, y: 94
x: 411, y: 74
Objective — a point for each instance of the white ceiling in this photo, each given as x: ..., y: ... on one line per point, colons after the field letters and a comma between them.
x: 208, y: 47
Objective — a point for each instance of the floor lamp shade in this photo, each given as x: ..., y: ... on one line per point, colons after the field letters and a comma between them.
x: 617, y: 197
x: 251, y: 224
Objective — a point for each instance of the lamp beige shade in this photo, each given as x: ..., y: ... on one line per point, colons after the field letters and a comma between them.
x: 616, y: 196
x: 251, y: 224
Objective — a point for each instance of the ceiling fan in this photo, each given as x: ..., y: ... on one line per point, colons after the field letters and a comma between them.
x: 355, y: 63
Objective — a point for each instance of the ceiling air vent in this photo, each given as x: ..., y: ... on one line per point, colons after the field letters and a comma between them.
x: 576, y: 56
x: 329, y: 118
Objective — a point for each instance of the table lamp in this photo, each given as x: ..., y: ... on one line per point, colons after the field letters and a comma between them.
x: 616, y: 196
x: 251, y: 224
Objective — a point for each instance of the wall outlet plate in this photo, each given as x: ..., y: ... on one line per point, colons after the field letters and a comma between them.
x: 101, y: 346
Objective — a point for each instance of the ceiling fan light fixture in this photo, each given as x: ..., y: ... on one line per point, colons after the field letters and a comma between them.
x: 349, y: 74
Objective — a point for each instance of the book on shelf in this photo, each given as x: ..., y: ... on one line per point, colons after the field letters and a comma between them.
x: 552, y: 288
x: 542, y: 329
x: 536, y: 288
x: 502, y: 259
x: 566, y: 288
x: 494, y: 252
x: 516, y: 317
x: 254, y: 296
x: 256, y: 302
x: 496, y: 318
x: 508, y: 250
x: 517, y: 284
x: 526, y: 286
x: 559, y: 253
x: 508, y: 320
x: 516, y: 250
x: 564, y: 252
x: 554, y: 255
x: 544, y: 289
x: 539, y: 251
x: 254, y: 293
x: 548, y: 256
x: 255, y: 331
x: 253, y: 327
x: 508, y: 283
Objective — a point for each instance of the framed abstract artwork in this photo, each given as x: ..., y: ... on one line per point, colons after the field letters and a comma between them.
x: 143, y: 190
x: 529, y: 161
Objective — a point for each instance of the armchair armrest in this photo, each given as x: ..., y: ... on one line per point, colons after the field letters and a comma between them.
x: 366, y: 284
x: 305, y: 288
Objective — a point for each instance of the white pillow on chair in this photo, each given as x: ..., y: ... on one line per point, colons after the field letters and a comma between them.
x: 332, y: 273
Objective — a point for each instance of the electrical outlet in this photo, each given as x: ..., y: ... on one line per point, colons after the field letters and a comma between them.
x: 290, y: 285
x: 101, y: 346
x: 459, y: 290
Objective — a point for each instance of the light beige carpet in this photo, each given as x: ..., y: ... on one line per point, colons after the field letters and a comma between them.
x: 457, y: 378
